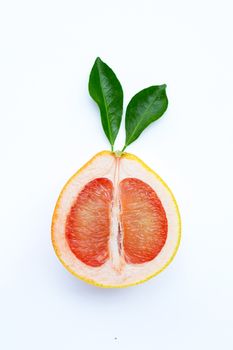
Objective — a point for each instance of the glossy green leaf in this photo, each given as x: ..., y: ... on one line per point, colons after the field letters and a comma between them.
x: 106, y: 91
x: 144, y: 108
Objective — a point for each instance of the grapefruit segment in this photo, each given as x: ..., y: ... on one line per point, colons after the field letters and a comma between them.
x: 116, y: 223
x: 88, y: 222
x: 144, y: 221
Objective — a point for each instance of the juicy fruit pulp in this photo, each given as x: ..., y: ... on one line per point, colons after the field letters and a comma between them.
x: 88, y: 223
x: 143, y: 222
x: 116, y: 223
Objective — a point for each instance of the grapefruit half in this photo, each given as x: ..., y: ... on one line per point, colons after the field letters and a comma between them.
x: 116, y: 223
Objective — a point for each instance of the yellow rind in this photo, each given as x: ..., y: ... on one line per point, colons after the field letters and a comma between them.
x: 90, y: 281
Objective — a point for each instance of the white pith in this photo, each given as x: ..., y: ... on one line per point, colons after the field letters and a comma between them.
x: 115, y: 272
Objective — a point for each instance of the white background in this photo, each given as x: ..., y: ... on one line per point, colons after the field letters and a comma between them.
x: 50, y: 127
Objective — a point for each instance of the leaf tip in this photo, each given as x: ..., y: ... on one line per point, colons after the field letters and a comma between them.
x: 98, y: 60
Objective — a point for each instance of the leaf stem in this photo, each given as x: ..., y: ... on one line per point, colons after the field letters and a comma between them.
x: 123, y: 148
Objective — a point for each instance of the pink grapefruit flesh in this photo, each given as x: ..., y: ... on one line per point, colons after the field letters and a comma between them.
x: 88, y: 223
x: 144, y: 221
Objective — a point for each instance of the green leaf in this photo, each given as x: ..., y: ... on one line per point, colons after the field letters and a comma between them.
x: 106, y: 91
x: 144, y: 108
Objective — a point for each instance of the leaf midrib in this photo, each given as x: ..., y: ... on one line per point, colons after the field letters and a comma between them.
x: 105, y: 104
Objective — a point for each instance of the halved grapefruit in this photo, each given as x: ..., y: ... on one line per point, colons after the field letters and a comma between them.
x: 116, y: 223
